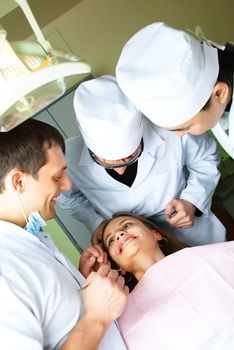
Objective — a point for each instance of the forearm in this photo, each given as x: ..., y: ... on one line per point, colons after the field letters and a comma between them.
x: 87, y: 334
x: 201, y: 161
x: 199, y: 190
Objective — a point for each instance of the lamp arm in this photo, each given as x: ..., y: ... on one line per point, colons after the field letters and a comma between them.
x: 33, y: 23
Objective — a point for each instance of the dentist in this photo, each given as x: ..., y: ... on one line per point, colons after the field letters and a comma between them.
x: 123, y: 162
x: 179, y: 82
x: 42, y: 306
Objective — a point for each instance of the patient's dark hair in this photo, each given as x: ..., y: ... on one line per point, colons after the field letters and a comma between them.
x: 168, y: 244
x: 226, y: 68
x: 25, y: 147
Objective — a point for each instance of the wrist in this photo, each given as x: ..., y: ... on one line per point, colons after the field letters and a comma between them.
x: 87, y: 334
x: 99, y: 322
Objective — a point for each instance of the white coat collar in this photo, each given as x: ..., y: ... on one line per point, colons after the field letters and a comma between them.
x: 151, y: 136
x: 152, y: 141
x: 9, y: 229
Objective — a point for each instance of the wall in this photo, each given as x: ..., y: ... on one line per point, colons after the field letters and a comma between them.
x: 98, y: 29
x: 62, y: 241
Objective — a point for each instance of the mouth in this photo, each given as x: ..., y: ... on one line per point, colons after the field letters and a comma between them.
x: 54, y: 199
x: 125, y: 243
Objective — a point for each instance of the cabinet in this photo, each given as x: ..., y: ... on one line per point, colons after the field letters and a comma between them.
x: 61, y: 115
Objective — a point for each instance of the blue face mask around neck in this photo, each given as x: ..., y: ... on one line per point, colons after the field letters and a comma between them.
x: 35, y: 223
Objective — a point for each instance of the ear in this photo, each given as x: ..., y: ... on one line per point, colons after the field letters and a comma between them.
x: 15, y: 179
x: 157, y: 235
x: 221, y: 93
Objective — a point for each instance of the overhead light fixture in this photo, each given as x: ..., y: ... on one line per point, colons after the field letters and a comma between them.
x: 32, y: 74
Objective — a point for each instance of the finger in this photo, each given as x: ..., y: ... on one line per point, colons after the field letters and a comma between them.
x: 105, y: 258
x: 104, y: 270
x: 120, y: 281
x: 168, y: 208
x: 96, y: 266
x: 185, y: 218
x: 91, y: 261
x: 171, y: 205
x: 184, y: 225
x: 101, y: 253
x: 90, y: 277
x: 179, y: 221
x: 126, y: 289
x: 175, y: 218
x: 89, y: 251
x: 113, y: 274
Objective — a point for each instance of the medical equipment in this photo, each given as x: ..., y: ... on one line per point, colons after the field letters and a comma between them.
x: 32, y: 74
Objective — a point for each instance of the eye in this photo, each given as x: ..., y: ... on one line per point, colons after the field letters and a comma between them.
x: 110, y: 241
x: 58, y: 177
x: 126, y: 225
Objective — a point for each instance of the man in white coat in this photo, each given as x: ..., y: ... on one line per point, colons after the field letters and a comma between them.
x: 179, y: 82
x: 41, y: 301
x: 123, y: 162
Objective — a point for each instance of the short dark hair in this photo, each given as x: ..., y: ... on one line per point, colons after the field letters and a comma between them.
x: 25, y: 147
x: 226, y: 68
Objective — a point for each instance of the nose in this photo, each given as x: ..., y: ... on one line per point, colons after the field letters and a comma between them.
x: 121, y: 170
x: 65, y: 184
x: 120, y: 234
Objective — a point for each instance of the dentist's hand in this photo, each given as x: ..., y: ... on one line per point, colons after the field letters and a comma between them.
x: 91, y: 259
x: 106, y: 295
x: 180, y: 213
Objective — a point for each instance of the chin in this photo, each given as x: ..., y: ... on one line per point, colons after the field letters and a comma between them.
x: 130, y: 251
x: 49, y: 216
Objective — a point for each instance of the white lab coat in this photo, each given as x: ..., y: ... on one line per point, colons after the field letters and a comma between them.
x: 39, y: 298
x: 160, y: 178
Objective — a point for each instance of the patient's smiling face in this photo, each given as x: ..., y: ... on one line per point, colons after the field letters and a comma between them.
x: 126, y: 238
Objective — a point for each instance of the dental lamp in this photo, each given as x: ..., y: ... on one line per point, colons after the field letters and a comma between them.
x: 32, y: 74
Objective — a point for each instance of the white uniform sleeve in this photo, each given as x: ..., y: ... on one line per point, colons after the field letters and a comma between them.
x: 77, y: 205
x: 201, y: 160
x: 19, y: 327
x: 107, y: 341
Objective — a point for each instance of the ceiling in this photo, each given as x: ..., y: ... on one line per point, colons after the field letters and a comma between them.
x: 13, y: 20
x: 7, y: 6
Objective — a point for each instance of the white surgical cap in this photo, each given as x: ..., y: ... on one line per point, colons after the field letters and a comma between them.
x: 167, y: 73
x: 110, y: 124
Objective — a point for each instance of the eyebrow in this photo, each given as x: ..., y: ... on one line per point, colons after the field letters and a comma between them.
x: 181, y: 129
x: 60, y: 170
x: 109, y: 233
